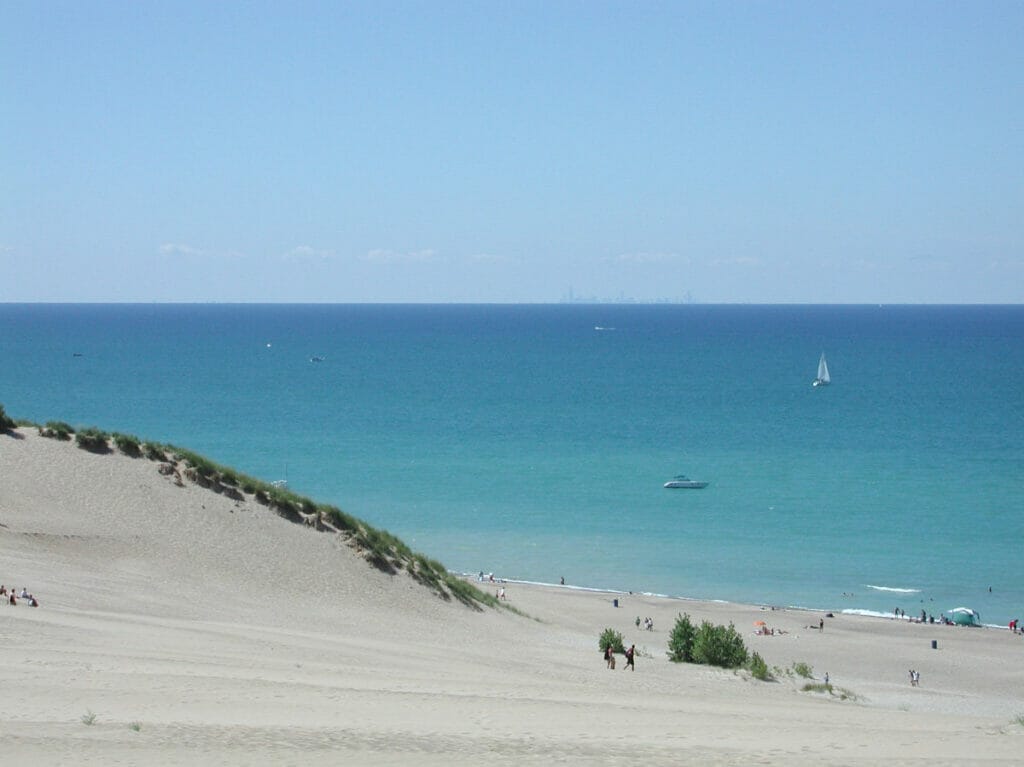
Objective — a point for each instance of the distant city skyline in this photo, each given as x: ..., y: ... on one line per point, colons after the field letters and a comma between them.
x: 408, y: 152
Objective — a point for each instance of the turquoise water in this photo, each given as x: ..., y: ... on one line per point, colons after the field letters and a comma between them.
x: 520, y: 440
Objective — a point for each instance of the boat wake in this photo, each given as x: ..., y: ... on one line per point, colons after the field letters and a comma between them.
x: 893, y: 588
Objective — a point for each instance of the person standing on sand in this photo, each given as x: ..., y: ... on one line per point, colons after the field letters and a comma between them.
x: 609, y: 657
x: 629, y: 658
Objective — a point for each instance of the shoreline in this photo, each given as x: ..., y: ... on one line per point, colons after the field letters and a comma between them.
x: 852, y: 612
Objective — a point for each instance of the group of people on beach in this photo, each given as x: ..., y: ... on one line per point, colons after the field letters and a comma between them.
x: 12, y: 596
x: 648, y: 623
x: 925, y: 617
x: 609, y: 658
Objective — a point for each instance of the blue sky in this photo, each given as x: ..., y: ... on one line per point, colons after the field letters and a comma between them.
x: 868, y: 152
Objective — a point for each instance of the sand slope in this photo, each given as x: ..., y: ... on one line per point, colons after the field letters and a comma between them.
x: 201, y: 630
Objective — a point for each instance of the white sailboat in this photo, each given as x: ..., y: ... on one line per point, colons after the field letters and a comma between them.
x: 823, y: 378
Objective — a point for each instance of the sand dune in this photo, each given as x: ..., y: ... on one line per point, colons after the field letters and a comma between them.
x: 202, y: 630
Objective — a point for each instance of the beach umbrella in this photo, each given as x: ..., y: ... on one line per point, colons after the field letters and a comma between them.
x: 759, y: 623
x: 965, y: 616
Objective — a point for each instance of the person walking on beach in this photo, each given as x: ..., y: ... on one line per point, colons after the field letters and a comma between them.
x: 609, y: 657
x: 629, y: 658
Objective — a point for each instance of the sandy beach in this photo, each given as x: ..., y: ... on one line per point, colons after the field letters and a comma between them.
x: 181, y: 627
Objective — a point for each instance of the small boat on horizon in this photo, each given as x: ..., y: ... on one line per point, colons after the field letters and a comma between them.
x: 681, y: 481
x: 823, y: 379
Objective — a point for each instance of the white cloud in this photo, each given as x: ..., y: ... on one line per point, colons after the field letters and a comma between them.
x: 737, y: 261
x: 177, y: 249
x: 644, y: 257
x: 395, y: 257
x: 180, y: 249
x: 308, y: 253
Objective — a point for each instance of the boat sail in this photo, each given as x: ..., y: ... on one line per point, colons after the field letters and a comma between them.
x: 823, y: 378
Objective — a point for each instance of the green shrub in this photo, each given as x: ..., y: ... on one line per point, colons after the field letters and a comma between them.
x: 719, y: 646
x: 92, y: 439
x: 128, y: 445
x: 611, y: 638
x: 759, y: 669
x: 5, y: 422
x: 804, y: 670
x: 56, y: 430
x: 680, y: 640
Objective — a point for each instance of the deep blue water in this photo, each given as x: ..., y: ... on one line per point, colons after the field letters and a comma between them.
x: 522, y: 440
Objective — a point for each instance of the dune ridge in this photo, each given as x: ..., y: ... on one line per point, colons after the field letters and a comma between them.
x: 197, y: 628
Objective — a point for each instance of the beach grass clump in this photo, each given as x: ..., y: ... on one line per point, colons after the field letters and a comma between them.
x: 611, y: 638
x: 382, y: 549
x: 5, y: 422
x: 429, y: 572
x: 89, y: 718
x: 824, y: 687
x: 470, y: 596
x: 340, y: 519
x: 127, y: 444
x: 759, y: 669
x: 56, y: 430
x: 92, y: 439
x: 154, y: 451
x: 680, y: 640
x: 135, y: 726
x: 804, y: 670
x: 202, y: 466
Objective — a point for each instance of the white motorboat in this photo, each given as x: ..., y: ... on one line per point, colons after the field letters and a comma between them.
x: 682, y: 481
